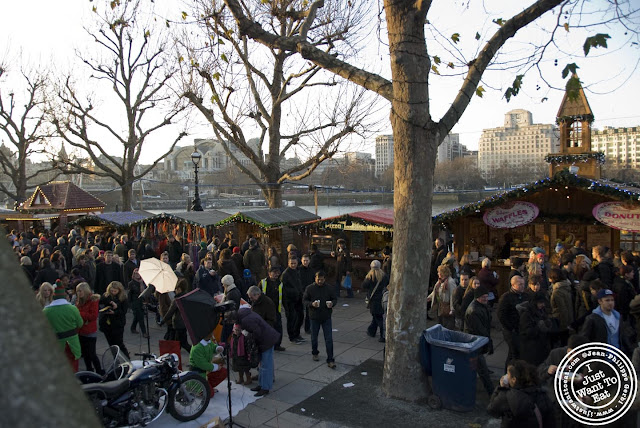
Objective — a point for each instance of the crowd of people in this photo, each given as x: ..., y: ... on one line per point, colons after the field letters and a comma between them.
x: 553, y: 305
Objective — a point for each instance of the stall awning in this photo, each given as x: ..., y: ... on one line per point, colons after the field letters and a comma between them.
x: 272, y: 217
x: 206, y: 218
x: 380, y: 220
x: 116, y: 219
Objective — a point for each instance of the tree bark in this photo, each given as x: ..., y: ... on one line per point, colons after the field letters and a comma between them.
x: 415, y: 149
x: 39, y: 388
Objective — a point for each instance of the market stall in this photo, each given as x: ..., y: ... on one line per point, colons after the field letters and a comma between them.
x: 367, y: 233
x: 271, y: 226
x: 110, y: 221
x: 563, y: 208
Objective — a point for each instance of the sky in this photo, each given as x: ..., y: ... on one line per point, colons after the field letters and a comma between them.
x: 47, y: 32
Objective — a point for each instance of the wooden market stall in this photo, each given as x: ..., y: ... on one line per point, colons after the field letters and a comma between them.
x: 110, y: 221
x: 271, y: 226
x: 366, y: 234
x: 54, y: 205
x: 574, y: 203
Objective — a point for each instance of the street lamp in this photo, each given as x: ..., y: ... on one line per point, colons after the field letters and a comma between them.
x: 195, y: 158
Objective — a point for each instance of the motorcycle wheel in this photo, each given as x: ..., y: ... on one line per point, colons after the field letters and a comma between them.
x: 191, y: 399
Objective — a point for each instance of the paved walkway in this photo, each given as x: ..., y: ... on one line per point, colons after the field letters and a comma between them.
x: 297, y: 375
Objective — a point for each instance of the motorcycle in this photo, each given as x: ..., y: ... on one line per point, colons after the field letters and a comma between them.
x: 141, y: 395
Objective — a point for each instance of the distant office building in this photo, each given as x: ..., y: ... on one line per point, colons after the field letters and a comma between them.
x: 355, y: 157
x: 384, y: 153
x: 621, y: 146
x: 451, y: 149
x: 519, y: 143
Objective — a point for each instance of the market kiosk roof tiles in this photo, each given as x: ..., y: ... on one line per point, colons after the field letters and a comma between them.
x: 561, y: 181
x: 273, y: 217
x: 62, y: 196
x: 115, y: 218
x: 198, y: 218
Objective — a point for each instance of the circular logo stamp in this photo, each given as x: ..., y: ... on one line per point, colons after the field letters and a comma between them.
x: 595, y: 384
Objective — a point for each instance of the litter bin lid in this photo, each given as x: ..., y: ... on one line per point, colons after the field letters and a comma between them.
x: 456, y: 340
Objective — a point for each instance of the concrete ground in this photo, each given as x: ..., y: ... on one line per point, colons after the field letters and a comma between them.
x: 298, y: 377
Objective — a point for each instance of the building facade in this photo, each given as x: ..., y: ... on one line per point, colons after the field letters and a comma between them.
x: 520, y: 143
x: 451, y: 149
x: 384, y: 153
x: 621, y: 146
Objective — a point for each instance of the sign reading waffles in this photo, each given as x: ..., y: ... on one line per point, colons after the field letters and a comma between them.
x: 619, y: 215
x: 513, y: 215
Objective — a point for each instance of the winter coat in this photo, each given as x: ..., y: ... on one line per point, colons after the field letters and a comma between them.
x: 207, y: 282
x: 228, y: 267
x: 107, y: 273
x: 507, y: 312
x: 323, y: 293
x: 49, y: 275
x: 534, y: 328
x: 265, y: 335
x: 458, y: 294
x: 292, y: 286
x: 317, y: 261
x: 375, y: 299
x: 135, y: 288
x: 443, y: 293
x: 584, y: 303
x: 606, y: 272
x: 255, y: 261
x: 516, y: 407
x: 174, y: 249
x: 386, y: 265
x: 343, y: 262
x: 624, y: 294
x: 307, y: 276
x: 595, y: 329
x: 114, y: 321
x: 173, y: 315
x: 438, y: 256
x: 233, y: 293
x: 127, y: 270
x: 265, y: 307
x: 561, y: 304
x: 237, y: 259
x: 89, y: 314
x: 477, y: 320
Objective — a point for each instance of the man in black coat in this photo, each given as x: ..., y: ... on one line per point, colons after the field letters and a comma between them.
x: 129, y: 266
x: 265, y: 337
x: 320, y: 299
x: 174, y: 248
x: 477, y: 320
x: 46, y: 274
x: 207, y: 279
x: 604, y: 268
x: 317, y: 259
x: 510, y: 319
x: 292, y: 290
x: 107, y: 272
x: 343, y: 265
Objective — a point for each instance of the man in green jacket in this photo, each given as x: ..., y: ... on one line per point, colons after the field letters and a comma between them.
x: 65, y: 320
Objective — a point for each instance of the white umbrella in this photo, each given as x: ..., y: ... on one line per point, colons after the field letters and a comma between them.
x: 158, y: 273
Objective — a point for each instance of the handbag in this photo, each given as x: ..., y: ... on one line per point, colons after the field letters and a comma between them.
x: 367, y: 300
x: 346, y: 282
x: 444, y: 308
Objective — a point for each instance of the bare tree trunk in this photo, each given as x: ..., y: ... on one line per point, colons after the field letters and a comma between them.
x: 39, y: 388
x: 273, y: 195
x: 415, y: 149
x: 127, y: 196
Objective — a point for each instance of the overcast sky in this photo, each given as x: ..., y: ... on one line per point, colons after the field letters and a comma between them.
x: 48, y: 31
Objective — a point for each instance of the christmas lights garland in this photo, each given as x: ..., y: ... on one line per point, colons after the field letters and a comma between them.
x: 574, y: 158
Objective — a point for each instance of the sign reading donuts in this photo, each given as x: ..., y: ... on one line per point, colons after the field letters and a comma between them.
x: 618, y: 215
x: 512, y: 215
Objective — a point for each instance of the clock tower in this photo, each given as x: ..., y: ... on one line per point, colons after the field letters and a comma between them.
x: 574, y: 120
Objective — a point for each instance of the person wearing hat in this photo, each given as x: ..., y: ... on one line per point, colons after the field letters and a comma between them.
x: 65, y: 319
x: 247, y: 282
x: 237, y: 258
x: 231, y: 293
x: 535, y: 325
x: 477, y: 320
x: 605, y: 324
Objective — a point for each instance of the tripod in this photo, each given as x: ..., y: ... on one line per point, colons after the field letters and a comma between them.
x: 146, y: 320
x: 227, y: 347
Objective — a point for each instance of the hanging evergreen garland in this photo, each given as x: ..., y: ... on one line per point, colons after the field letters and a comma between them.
x: 558, y: 159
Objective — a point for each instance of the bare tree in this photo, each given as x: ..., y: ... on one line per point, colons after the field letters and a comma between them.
x: 293, y: 105
x: 23, y: 123
x: 416, y: 138
x: 460, y: 174
x: 133, y: 59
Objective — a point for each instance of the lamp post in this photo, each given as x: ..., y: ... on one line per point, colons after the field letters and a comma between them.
x: 195, y: 158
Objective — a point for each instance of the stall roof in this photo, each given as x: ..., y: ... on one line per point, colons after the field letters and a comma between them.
x: 198, y: 218
x: 380, y: 220
x: 273, y: 217
x: 613, y: 190
x: 62, y: 195
x: 116, y: 218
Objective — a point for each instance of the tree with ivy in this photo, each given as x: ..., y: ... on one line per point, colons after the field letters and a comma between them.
x: 25, y: 129
x: 414, y: 41
x: 295, y: 107
x: 132, y: 57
